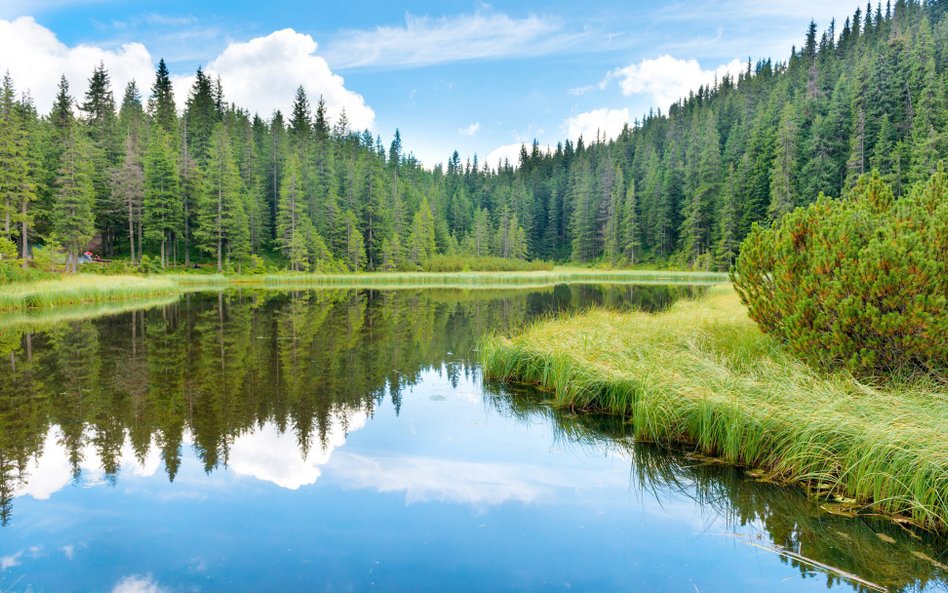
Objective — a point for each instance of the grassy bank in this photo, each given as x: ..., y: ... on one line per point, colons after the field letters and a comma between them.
x: 702, y: 375
x: 395, y: 280
x: 82, y: 289
x: 94, y: 288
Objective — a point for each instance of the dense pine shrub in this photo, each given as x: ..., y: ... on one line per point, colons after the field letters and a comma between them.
x: 860, y: 282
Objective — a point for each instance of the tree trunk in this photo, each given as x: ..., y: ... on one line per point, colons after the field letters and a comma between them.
x: 24, y: 235
x: 220, y: 230
x: 131, y: 232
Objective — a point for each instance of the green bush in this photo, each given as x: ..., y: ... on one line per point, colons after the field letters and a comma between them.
x: 149, y: 265
x: 451, y: 263
x: 49, y: 257
x: 8, y: 251
x: 859, y: 282
x: 11, y: 271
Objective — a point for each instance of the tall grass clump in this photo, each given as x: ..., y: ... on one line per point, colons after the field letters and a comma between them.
x: 81, y: 289
x: 702, y: 374
x: 860, y: 282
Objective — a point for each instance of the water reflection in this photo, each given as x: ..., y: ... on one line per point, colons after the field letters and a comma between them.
x: 242, y: 377
x: 761, y: 515
x: 331, y: 430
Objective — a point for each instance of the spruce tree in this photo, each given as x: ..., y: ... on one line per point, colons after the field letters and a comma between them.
x: 629, y: 231
x: 73, y: 209
x: 291, y: 206
x: 421, y: 241
x: 161, y: 193
x: 161, y: 104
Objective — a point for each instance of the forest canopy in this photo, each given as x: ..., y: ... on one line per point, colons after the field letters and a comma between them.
x: 214, y: 183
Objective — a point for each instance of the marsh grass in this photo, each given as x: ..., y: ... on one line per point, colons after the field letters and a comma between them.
x: 82, y: 289
x: 701, y: 374
x: 396, y: 280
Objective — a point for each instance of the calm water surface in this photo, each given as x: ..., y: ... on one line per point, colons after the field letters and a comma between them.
x: 345, y: 441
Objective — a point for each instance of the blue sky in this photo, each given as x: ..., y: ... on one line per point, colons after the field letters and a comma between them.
x: 476, y: 77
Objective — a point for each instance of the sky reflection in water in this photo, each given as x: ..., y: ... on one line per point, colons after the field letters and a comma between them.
x: 291, y: 472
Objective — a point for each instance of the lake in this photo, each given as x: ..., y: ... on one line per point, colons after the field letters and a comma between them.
x: 344, y: 440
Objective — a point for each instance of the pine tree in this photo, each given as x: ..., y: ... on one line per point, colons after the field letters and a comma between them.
x: 421, y: 241
x: 783, y: 177
x: 161, y: 105
x: 100, y: 125
x: 128, y: 190
x: 355, y: 244
x: 161, y: 193
x: 219, y: 214
x: 73, y: 215
x: 629, y: 231
x: 290, y: 209
x: 583, y: 225
x: 17, y: 187
x: 612, y: 239
x: 704, y: 191
x: 201, y: 116
x: 725, y: 250
x: 480, y: 234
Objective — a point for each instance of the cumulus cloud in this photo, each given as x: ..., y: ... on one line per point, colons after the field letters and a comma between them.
x: 602, y: 122
x: 667, y: 79
x: 51, y: 471
x: 425, y: 479
x: 511, y: 152
x: 470, y: 130
x: 424, y: 40
x: 273, y: 456
x: 36, y: 58
x: 260, y: 74
x: 137, y: 583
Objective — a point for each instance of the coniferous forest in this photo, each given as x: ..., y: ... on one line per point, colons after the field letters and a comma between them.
x: 136, y: 179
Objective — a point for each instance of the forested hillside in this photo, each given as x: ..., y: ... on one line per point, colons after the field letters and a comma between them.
x: 215, y: 183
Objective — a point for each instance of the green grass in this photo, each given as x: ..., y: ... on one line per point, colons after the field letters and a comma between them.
x: 82, y: 289
x: 702, y: 375
x: 93, y: 288
x: 394, y: 280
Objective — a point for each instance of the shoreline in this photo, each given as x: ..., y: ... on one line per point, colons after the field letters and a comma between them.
x: 81, y: 289
x: 702, y: 377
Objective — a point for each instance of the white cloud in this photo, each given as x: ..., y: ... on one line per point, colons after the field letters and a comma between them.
x: 8, y: 562
x: 51, y: 471
x: 262, y: 75
x: 667, y: 79
x: 35, y: 59
x: 608, y: 122
x: 511, y: 152
x: 269, y: 455
x: 470, y: 130
x: 424, y: 40
x: 137, y: 584
x: 424, y: 479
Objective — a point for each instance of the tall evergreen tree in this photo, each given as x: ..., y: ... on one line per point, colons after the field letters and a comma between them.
x: 73, y: 209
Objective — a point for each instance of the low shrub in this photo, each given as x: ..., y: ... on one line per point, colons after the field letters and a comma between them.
x: 11, y: 271
x: 448, y: 263
x: 860, y: 282
x: 149, y: 265
x: 49, y: 257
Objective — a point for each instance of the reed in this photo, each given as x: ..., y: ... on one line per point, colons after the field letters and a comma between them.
x: 702, y: 375
x: 82, y: 289
x: 394, y: 280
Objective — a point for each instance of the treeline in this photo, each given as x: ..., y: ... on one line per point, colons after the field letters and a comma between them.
x: 216, y: 183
